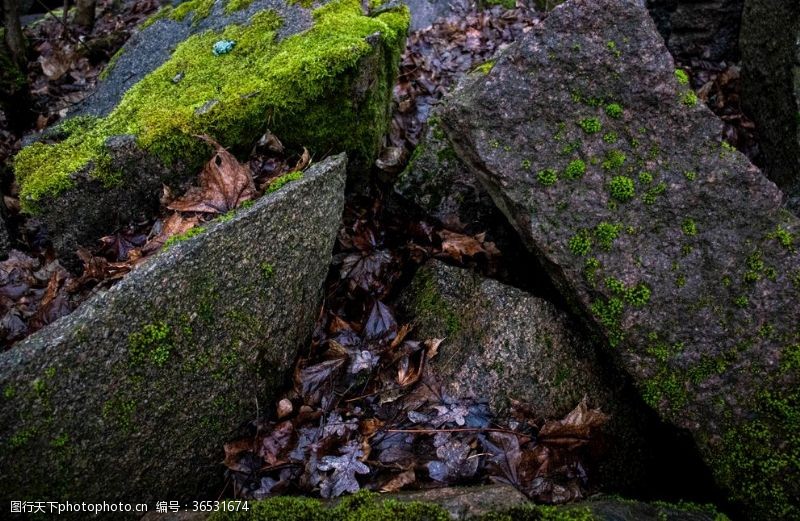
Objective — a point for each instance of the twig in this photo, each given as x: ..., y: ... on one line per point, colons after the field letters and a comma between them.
x: 465, y: 429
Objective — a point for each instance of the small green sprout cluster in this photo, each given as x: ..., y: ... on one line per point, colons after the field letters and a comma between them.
x: 689, y: 227
x: 622, y: 188
x: 590, y: 125
x: 547, y: 177
x: 606, y: 233
x: 614, y: 110
x: 575, y: 169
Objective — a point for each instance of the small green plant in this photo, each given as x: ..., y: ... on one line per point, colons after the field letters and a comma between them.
x: 652, y: 194
x: 606, y: 233
x: 614, y: 159
x: 690, y: 175
x: 614, y: 110
x: 689, y: 98
x: 689, y: 227
x: 590, y: 125
x: 581, y: 243
x: 526, y: 164
x: 741, y: 301
x: 645, y: 177
x: 784, y: 237
x: 610, y: 138
x: 575, y: 169
x: 682, y: 77
x: 547, y: 177
x: 621, y: 188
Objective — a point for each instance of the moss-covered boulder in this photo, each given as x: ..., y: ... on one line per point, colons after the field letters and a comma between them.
x: 672, y: 246
x: 770, y: 44
x: 131, y: 397
x: 502, y: 344
x: 484, y: 503
x: 318, y: 76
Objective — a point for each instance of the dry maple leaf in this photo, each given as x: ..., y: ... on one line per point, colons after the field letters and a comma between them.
x: 224, y: 184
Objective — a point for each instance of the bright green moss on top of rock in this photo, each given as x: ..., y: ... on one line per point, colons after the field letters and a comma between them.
x: 230, y: 97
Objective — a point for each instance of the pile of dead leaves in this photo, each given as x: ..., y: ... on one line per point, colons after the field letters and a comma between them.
x: 367, y: 411
x: 36, y: 290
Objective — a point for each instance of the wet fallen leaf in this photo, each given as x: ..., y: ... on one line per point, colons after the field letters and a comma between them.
x: 224, y: 184
x: 345, y: 468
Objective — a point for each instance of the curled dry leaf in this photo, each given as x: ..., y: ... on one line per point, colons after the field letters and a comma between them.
x: 303, y: 162
x: 224, y: 184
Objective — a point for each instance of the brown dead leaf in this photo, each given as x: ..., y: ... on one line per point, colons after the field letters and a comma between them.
x: 224, y: 184
x: 303, y: 162
x: 576, y: 429
x: 175, y: 224
x: 457, y: 245
x: 233, y: 451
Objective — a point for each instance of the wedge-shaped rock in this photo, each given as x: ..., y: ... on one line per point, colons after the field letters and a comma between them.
x: 503, y: 345
x: 672, y: 245
x: 317, y: 77
x: 131, y: 397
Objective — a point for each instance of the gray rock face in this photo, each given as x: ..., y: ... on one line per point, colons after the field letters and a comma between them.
x: 438, y: 182
x: 130, y: 397
x: 670, y: 243
x: 502, y: 344
x: 707, y: 29
x: 770, y: 43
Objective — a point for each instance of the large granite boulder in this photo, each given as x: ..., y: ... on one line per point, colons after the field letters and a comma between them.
x: 707, y: 29
x: 770, y: 43
x: 673, y: 246
x: 131, y: 397
x: 319, y: 77
x: 503, y: 345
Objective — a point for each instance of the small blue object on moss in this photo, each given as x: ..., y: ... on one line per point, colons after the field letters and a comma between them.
x: 223, y: 47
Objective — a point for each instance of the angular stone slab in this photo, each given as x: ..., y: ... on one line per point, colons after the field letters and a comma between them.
x: 318, y: 77
x: 131, y: 397
x: 770, y: 43
x: 670, y: 243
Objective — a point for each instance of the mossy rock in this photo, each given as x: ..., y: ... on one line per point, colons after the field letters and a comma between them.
x: 317, y: 77
x: 132, y: 396
x: 672, y: 246
x: 502, y: 345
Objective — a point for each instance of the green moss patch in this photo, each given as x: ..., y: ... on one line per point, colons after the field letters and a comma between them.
x: 306, y: 77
